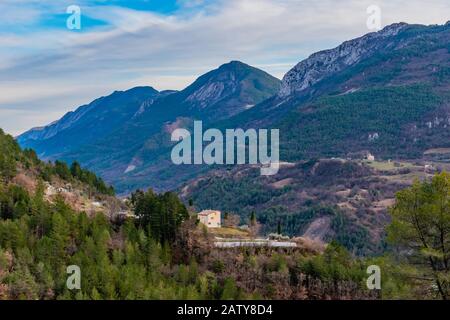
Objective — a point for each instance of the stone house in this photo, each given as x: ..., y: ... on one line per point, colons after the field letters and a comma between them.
x: 210, y: 218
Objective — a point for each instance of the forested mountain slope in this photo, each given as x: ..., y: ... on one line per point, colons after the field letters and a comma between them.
x: 161, y: 253
x: 122, y: 136
x: 385, y: 92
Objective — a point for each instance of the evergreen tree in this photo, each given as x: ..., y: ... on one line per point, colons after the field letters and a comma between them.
x: 421, y: 224
x: 75, y: 170
x: 253, y: 218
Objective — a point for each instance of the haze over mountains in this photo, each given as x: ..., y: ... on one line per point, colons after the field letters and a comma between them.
x: 119, y: 134
x: 385, y: 92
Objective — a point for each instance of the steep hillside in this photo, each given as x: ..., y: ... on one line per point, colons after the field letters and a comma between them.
x: 395, y: 103
x: 327, y: 63
x: 386, y: 92
x: 88, y: 123
x: 232, y: 88
x: 322, y: 199
x: 161, y: 253
x: 22, y: 173
x: 123, y: 135
x: 390, y: 122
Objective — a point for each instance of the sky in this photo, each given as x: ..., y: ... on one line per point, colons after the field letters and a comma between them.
x: 47, y: 69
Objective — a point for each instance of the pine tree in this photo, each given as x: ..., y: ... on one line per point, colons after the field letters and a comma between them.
x: 229, y: 290
x: 75, y: 170
x: 421, y: 226
x: 253, y: 218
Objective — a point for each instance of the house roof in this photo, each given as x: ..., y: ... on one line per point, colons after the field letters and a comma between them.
x: 207, y: 212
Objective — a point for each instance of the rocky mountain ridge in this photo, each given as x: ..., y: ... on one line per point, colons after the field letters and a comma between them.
x: 328, y: 62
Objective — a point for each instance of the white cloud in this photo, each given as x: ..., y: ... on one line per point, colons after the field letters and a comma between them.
x: 168, y: 51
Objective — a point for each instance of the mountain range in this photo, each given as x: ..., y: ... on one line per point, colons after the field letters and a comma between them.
x: 385, y: 93
x: 119, y: 135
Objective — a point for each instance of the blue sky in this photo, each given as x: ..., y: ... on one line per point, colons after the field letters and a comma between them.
x: 47, y: 70
x: 57, y: 19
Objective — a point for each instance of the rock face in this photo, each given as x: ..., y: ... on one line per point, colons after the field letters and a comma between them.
x: 210, y: 92
x: 326, y: 63
x: 229, y: 90
x: 121, y: 134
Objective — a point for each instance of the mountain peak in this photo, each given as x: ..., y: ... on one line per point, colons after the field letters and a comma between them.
x: 235, y: 85
x: 234, y: 64
x: 143, y: 89
x: 328, y: 62
x: 228, y: 80
x: 392, y: 29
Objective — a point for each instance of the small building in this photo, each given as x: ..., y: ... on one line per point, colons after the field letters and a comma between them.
x: 370, y: 157
x: 210, y: 218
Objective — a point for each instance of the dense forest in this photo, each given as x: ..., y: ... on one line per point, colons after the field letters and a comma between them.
x: 164, y: 253
x: 308, y: 194
x: 161, y: 254
x: 336, y: 125
x: 13, y: 158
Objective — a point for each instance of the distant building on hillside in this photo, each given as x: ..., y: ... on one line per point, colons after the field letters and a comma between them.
x: 210, y: 218
x: 370, y: 157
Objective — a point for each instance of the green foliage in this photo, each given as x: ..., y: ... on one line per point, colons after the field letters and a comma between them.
x: 397, y: 278
x: 9, y: 155
x: 291, y: 224
x: 234, y: 195
x: 337, y: 125
x: 351, y: 235
x: 83, y: 175
x: 160, y: 214
x: 336, y: 264
x: 230, y: 291
x: 12, y: 157
x: 90, y: 179
x: 218, y: 266
x: 253, y: 218
x: 62, y: 170
x: 421, y: 227
x: 14, y: 202
x: 40, y: 240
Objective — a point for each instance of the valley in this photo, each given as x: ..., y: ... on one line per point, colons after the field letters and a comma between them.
x: 338, y: 198
x: 357, y: 123
x: 189, y: 154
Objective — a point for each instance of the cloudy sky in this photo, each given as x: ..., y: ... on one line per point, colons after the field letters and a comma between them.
x: 47, y: 69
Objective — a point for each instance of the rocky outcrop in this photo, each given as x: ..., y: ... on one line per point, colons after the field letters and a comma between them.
x: 323, y: 64
x: 230, y: 89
